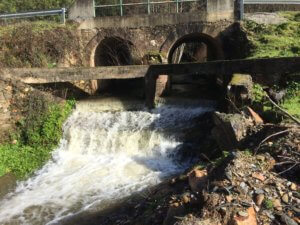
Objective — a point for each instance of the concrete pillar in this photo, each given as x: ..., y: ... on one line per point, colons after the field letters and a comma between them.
x: 150, y: 89
x: 220, y: 10
x: 162, y: 85
x: 82, y: 9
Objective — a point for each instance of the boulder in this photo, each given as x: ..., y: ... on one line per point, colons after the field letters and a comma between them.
x: 229, y: 129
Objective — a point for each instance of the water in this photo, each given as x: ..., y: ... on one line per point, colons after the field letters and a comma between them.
x: 103, y: 156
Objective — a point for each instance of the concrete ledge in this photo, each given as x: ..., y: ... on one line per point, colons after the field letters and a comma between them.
x: 270, y: 68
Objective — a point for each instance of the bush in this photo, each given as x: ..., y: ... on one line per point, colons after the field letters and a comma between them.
x: 11, y: 6
x: 37, y: 44
x: 37, y: 136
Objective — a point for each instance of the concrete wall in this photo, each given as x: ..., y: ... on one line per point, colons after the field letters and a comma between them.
x: 220, y: 10
x: 156, y: 33
x: 271, y: 8
x: 82, y: 9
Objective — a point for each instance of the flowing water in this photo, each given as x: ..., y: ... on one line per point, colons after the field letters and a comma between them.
x: 102, y: 157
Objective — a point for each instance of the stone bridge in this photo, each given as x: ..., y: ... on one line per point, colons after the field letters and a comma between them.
x: 131, y: 38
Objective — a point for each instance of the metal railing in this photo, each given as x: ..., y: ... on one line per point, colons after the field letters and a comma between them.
x: 266, y: 2
x: 148, y: 4
x: 61, y: 12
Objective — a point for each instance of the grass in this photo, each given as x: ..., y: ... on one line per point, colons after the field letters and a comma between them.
x: 38, y: 135
x: 280, y: 40
x: 291, y: 103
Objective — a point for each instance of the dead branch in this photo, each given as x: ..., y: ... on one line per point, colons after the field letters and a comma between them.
x: 267, y: 138
x: 298, y: 163
x: 283, y: 111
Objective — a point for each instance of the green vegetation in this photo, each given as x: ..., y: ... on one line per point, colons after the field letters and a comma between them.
x: 9, y: 6
x: 38, y: 134
x: 268, y: 204
x: 281, y: 40
x: 37, y: 44
x: 291, y: 101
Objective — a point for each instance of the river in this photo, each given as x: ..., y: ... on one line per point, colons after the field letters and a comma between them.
x: 103, y: 156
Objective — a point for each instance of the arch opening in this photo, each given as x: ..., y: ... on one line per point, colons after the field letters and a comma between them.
x: 194, y: 47
x: 115, y: 51
x: 196, y: 44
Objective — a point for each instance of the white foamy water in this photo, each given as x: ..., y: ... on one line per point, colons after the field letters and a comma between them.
x: 103, y: 156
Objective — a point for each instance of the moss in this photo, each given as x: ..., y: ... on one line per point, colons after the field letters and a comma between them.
x: 37, y: 136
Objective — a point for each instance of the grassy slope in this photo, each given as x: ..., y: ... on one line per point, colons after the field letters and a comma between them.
x: 282, y: 40
x: 36, y: 44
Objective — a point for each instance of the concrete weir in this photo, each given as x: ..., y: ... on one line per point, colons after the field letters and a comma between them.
x: 268, y: 69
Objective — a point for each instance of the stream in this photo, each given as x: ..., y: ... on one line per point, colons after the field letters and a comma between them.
x: 103, y: 156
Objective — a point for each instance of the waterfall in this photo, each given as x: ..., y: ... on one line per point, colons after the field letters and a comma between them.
x: 103, y: 156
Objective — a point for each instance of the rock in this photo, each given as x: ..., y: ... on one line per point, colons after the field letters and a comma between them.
x: 186, y: 198
x: 243, y: 214
x: 239, y: 90
x: 198, y: 180
x: 285, y: 198
x: 277, y: 204
x: 228, y: 198
x: 258, y: 176
x: 259, y: 199
x: 255, y: 117
x: 287, y: 220
x: 242, y: 219
x: 174, y: 212
x: 260, y: 158
x: 229, y: 129
x: 293, y: 187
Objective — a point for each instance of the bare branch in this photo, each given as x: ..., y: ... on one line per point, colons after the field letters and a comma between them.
x: 282, y: 110
x: 267, y: 138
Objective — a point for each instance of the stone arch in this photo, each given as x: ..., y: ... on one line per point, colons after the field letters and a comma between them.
x: 214, y: 49
x: 113, y: 51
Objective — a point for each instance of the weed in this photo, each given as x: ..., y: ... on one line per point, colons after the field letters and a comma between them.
x: 38, y: 135
x: 268, y: 204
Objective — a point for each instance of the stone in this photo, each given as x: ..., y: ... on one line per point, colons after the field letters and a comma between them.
x: 293, y: 187
x: 242, y: 219
x: 258, y: 176
x: 229, y: 129
x: 228, y: 198
x: 239, y: 90
x: 260, y: 158
x: 259, y: 199
x: 277, y: 204
x: 243, y: 214
x: 186, y: 198
x: 197, y: 180
x: 287, y: 220
x: 285, y: 198
x: 255, y: 117
x: 174, y: 212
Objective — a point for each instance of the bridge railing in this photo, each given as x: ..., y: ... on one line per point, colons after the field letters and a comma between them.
x: 265, y: 2
x: 61, y: 12
x: 122, y: 8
